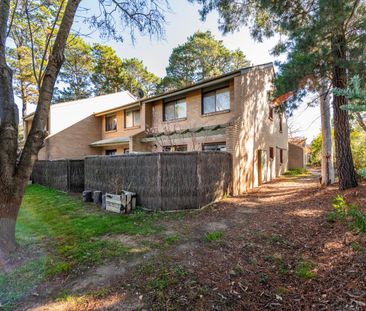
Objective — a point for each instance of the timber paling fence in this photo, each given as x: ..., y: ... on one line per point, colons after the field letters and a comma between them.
x: 162, y: 181
x: 64, y: 175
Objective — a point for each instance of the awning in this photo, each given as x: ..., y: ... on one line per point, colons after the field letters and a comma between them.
x: 110, y: 141
x: 204, y: 131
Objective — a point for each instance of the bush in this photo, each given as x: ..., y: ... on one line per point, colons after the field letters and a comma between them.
x: 350, y: 212
x: 362, y: 173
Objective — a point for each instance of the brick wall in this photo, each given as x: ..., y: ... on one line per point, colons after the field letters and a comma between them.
x: 73, y: 142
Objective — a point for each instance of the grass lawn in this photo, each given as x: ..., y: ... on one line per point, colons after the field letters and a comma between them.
x: 65, y: 234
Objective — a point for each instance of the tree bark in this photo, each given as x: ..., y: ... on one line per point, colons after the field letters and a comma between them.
x: 327, y: 168
x: 14, y: 175
x: 360, y: 121
x: 344, y: 161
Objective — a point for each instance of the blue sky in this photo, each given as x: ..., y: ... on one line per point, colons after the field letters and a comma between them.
x: 183, y: 21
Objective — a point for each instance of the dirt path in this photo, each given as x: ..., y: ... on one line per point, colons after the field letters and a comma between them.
x: 272, y: 249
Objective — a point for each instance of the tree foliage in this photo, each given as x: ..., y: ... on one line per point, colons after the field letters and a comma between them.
x: 33, y: 34
x: 76, y: 71
x: 201, y: 57
x: 324, y: 39
x: 143, y: 16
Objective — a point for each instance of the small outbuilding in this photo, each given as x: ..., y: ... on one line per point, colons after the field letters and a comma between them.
x: 297, y: 153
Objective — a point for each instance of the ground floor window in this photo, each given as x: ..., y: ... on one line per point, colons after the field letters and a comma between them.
x: 110, y: 152
x: 271, y: 153
x: 126, y: 150
x: 281, y: 156
x: 176, y: 148
x: 214, y: 147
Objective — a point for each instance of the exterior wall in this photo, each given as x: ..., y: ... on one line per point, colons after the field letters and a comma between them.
x: 73, y: 142
x: 121, y: 130
x: 296, y: 157
x: 195, y: 118
x: 253, y: 131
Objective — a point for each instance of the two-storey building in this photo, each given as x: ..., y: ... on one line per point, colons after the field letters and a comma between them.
x: 232, y: 112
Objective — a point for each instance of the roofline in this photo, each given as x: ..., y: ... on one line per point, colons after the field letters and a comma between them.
x: 73, y: 102
x: 195, y: 86
x: 130, y: 105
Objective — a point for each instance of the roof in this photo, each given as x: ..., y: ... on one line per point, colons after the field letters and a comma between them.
x: 204, y: 131
x: 110, y: 141
x: 192, y: 87
x: 104, y: 101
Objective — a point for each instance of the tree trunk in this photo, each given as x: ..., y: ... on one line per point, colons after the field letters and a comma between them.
x: 344, y: 161
x: 14, y: 174
x: 327, y: 168
x: 9, y: 208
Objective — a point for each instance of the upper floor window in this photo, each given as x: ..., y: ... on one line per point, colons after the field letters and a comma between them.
x: 132, y: 118
x: 175, y: 110
x: 215, y: 101
x: 280, y: 122
x: 270, y: 116
x: 214, y: 147
x: 111, y: 122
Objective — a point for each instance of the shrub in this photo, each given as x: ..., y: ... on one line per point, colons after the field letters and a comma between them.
x: 351, y: 212
x: 362, y: 173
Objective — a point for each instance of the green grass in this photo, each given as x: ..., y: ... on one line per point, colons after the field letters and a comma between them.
x: 297, y: 172
x: 171, y: 239
x: 349, y: 213
x: 304, y: 270
x: 69, y: 233
x: 214, y: 236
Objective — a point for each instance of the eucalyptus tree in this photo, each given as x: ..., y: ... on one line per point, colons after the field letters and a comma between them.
x: 32, y: 33
x: 323, y: 38
x: 116, y: 17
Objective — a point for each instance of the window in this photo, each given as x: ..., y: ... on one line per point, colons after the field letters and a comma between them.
x: 110, y: 152
x: 280, y: 118
x: 269, y: 96
x: 214, y: 147
x: 132, y: 118
x: 177, y: 148
x: 281, y: 156
x: 271, y: 153
x: 175, y: 110
x: 270, y: 116
x: 126, y: 150
x: 216, y: 101
x: 110, y: 123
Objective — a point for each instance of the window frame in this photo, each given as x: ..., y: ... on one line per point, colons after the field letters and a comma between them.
x: 133, y: 111
x: 175, y: 101
x: 212, y: 144
x: 114, y: 115
x: 216, y: 111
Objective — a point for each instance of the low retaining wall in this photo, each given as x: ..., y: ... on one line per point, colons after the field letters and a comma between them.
x: 64, y: 175
x: 163, y: 181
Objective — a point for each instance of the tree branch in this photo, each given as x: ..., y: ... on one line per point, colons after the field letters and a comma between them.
x: 37, y: 133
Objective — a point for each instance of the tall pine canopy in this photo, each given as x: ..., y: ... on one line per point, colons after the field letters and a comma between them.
x: 201, y: 57
x: 324, y: 39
